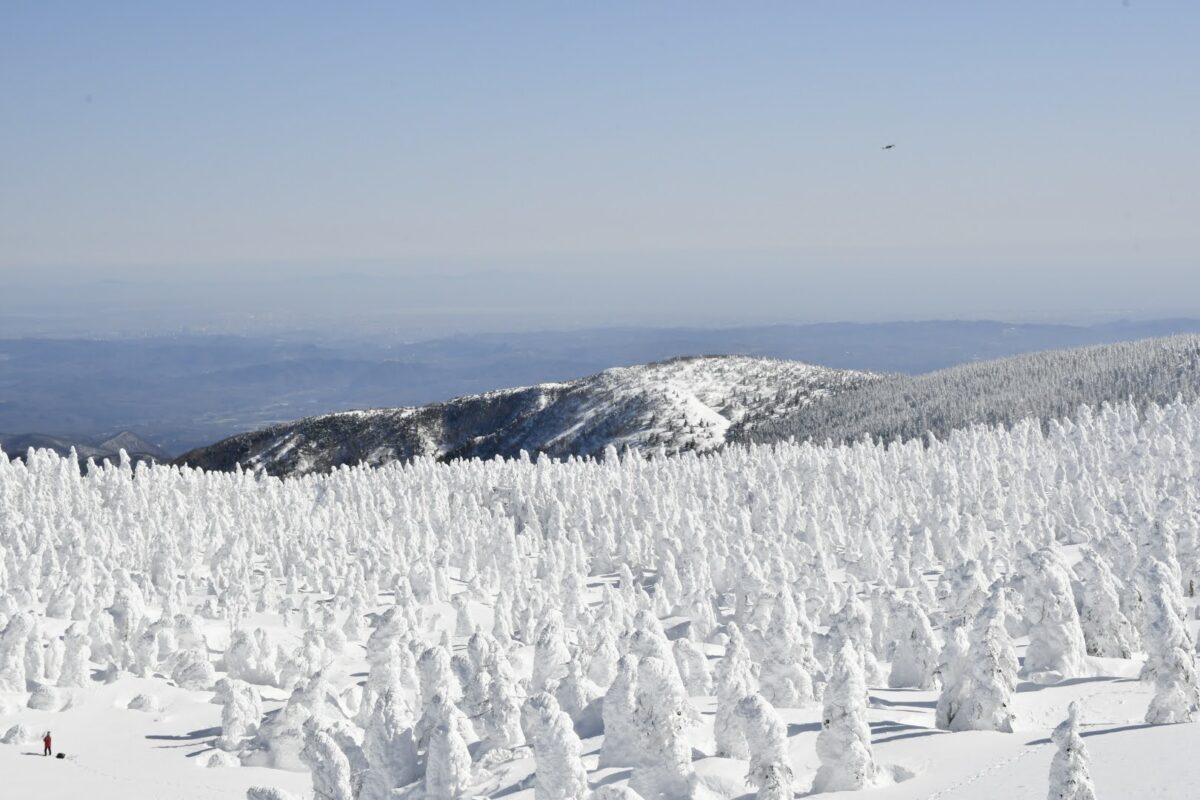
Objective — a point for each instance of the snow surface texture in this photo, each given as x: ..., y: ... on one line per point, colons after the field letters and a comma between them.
x: 742, y: 623
x: 678, y: 405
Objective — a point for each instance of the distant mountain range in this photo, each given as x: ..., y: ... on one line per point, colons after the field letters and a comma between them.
x: 137, y: 448
x: 700, y: 404
x: 186, y: 391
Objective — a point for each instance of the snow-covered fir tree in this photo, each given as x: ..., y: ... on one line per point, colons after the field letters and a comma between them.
x: 662, y: 720
x: 556, y: 749
x: 915, y: 655
x: 770, y: 771
x: 735, y: 680
x: 1106, y: 630
x: 1069, y: 776
x: 990, y: 678
x: 1056, y: 646
x: 844, y: 743
x: 1170, y: 656
x: 622, y: 744
x: 329, y: 765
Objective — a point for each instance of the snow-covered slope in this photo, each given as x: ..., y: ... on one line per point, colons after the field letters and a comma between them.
x: 679, y: 405
x: 1044, y: 385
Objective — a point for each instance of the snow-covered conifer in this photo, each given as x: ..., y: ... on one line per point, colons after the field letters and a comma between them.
x: 192, y: 669
x: 662, y: 718
x: 1056, y: 647
x: 437, y: 677
x: 556, y: 749
x: 844, y: 743
x: 501, y: 721
x: 692, y: 664
x: 770, y: 772
x: 914, y: 662
x: 550, y: 656
x: 1171, y: 660
x: 1106, y: 630
x: 447, y: 763
x: 389, y: 743
x: 990, y: 676
x: 75, y: 672
x: 784, y: 675
x: 240, y: 712
x: 1069, y: 776
x: 622, y: 743
x: 735, y: 680
x: 329, y: 765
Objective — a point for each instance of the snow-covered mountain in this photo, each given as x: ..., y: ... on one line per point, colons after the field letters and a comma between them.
x: 678, y: 405
x: 1045, y: 385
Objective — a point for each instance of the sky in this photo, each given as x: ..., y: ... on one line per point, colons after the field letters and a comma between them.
x: 442, y: 166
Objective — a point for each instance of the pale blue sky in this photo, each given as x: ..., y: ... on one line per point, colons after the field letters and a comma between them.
x: 1046, y: 140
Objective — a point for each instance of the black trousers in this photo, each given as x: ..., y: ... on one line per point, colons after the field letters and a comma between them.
x: 47, y: 751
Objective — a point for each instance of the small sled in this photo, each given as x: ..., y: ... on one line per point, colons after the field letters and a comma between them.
x: 61, y: 755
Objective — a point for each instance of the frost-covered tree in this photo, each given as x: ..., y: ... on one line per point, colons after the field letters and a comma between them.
x: 852, y: 624
x: 447, y: 763
x: 1056, y: 646
x: 440, y: 711
x: 241, y: 710
x: 602, y: 660
x: 735, y: 680
x: 844, y: 743
x: 437, y: 678
x: 192, y: 670
x: 500, y: 723
x: 622, y: 744
x: 692, y: 663
x: 662, y: 720
x: 770, y: 772
x: 1170, y: 658
x: 329, y: 765
x: 389, y: 742
x: 1069, y: 776
x: 784, y: 673
x: 550, y: 656
x: 990, y: 677
x: 391, y: 669
x: 914, y: 662
x: 12, y: 652
x: 1106, y: 630
x: 953, y: 673
x: 556, y: 750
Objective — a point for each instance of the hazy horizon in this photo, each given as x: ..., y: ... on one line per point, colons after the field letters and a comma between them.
x: 419, y: 170
x: 374, y: 300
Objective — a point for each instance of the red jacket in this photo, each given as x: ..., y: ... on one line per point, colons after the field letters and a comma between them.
x: 46, y: 741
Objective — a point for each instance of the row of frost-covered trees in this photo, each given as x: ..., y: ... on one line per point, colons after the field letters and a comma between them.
x: 508, y: 607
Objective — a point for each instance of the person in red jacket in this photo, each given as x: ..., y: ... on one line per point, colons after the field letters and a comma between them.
x: 46, y: 742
